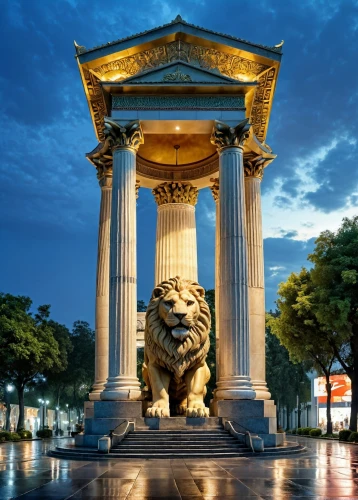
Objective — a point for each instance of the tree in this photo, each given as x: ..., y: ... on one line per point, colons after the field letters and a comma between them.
x: 57, y: 378
x: 141, y: 306
x: 299, y: 330
x: 287, y: 382
x: 335, y: 276
x: 80, y: 371
x: 27, y: 344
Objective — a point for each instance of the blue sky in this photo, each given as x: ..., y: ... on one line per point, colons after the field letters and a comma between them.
x: 49, y: 196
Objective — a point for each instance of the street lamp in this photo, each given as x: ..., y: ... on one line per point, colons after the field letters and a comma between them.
x: 41, y: 401
x: 8, y: 389
x: 57, y: 410
x: 61, y: 412
x: 68, y: 418
x: 46, y: 403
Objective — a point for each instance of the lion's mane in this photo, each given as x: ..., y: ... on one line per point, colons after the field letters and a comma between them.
x: 170, y: 353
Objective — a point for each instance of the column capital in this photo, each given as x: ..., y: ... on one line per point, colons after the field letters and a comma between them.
x: 175, y: 192
x: 223, y: 136
x: 123, y: 136
x: 215, y: 188
x: 102, y: 158
x: 254, y: 166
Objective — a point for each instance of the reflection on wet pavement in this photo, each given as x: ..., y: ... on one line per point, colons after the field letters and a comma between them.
x: 328, y: 470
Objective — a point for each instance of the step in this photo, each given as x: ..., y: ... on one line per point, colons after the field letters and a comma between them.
x: 175, y: 439
x: 173, y: 447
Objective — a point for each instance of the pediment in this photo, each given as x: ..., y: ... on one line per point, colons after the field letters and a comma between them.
x: 179, y: 72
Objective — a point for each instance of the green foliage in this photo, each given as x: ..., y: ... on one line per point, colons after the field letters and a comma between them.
x: 353, y: 438
x: 293, y: 431
x: 315, y: 432
x: 279, y: 369
x: 44, y: 433
x: 299, y: 431
x: 25, y: 434
x: 141, y: 306
x: 14, y: 436
x: 344, y: 435
x: 305, y: 431
x: 334, y: 275
x: 27, y: 344
x: 5, y: 435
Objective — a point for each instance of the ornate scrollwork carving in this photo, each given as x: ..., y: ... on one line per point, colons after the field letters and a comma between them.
x: 224, y: 136
x: 101, y: 157
x: 175, y: 192
x: 137, y: 186
x: 129, y: 135
x: 254, y: 166
x: 177, y: 76
x: 215, y: 188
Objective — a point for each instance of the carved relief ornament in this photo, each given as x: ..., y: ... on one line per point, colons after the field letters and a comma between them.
x: 254, y: 167
x: 224, y: 136
x: 175, y: 192
x: 129, y: 135
x: 215, y: 188
x: 227, y: 64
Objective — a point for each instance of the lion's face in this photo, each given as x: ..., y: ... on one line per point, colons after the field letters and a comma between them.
x: 180, y: 312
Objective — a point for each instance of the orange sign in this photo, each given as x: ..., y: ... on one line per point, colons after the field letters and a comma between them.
x: 341, y: 389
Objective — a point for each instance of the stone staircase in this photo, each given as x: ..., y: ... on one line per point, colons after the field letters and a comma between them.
x: 209, y: 443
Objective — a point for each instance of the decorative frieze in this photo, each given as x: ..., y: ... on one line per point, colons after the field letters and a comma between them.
x: 224, y: 136
x: 225, y: 103
x: 175, y: 192
x: 215, y: 188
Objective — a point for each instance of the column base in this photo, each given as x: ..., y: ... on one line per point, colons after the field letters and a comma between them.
x: 97, y: 389
x: 261, y: 390
x: 239, y: 387
x: 122, y: 389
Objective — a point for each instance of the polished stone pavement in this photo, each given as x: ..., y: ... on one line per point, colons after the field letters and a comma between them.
x: 327, y: 470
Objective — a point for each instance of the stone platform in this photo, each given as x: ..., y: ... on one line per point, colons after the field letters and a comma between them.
x: 255, y: 416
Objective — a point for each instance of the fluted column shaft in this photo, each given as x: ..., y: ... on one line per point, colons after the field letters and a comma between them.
x: 102, y: 291
x: 176, y: 251
x: 256, y: 285
x: 122, y: 382
x: 234, y: 381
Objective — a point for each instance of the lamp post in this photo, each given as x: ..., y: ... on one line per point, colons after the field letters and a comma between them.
x: 57, y: 413
x: 68, y: 419
x: 8, y: 389
x: 41, y: 401
x: 61, y: 412
x: 46, y: 402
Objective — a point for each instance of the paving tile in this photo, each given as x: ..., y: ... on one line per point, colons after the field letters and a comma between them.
x: 111, y: 488
x: 187, y: 487
x: 162, y: 487
x: 223, y: 487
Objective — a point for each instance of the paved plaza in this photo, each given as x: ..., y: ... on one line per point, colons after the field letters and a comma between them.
x: 328, y: 470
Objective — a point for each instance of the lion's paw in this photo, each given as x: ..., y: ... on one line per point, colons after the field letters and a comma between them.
x: 197, y: 412
x: 180, y: 409
x: 157, y: 412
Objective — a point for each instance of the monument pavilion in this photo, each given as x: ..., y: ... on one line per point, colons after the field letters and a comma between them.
x: 176, y: 109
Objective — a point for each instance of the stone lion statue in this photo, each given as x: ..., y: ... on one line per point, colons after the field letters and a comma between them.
x: 176, y: 345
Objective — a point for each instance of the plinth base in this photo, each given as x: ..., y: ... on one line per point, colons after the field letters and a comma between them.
x: 255, y: 416
x: 101, y: 417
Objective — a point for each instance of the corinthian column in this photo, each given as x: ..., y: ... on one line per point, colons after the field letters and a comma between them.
x: 215, y: 191
x: 176, y: 253
x: 253, y: 176
x: 234, y: 382
x: 104, y: 175
x: 123, y: 383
